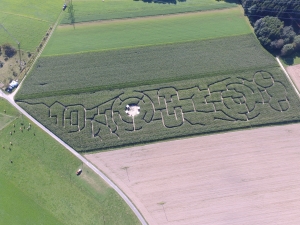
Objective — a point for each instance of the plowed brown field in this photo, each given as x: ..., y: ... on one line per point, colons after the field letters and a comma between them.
x: 245, y: 177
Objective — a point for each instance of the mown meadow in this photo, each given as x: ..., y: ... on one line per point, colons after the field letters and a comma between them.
x: 146, y: 31
x: 89, y: 10
x: 27, y: 21
x: 38, y: 184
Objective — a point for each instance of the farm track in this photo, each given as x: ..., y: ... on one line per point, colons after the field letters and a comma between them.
x: 289, y: 78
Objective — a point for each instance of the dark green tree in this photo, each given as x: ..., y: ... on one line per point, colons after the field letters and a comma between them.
x: 288, y: 34
x: 297, y: 42
x: 268, y: 29
x: 287, y: 49
x: 287, y: 10
x: 9, y: 50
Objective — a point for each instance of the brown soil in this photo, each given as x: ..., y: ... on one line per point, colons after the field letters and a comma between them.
x: 244, y: 177
x: 294, y: 72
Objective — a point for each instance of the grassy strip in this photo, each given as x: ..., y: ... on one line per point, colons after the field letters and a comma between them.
x: 148, y: 31
x: 132, y: 67
x: 83, y: 11
x: 41, y: 174
x: 169, y: 110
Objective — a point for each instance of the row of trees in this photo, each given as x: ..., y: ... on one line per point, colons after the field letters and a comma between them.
x: 276, y: 24
x: 276, y: 37
x: 285, y: 9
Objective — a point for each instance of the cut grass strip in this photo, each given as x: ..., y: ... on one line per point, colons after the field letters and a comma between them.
x: 90, y: 10
x: 146, y: 31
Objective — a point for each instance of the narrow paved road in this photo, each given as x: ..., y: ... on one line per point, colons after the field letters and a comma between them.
x: 80, y: 157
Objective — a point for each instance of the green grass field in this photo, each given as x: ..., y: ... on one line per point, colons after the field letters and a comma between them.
x: 40, y: 186
x: 146, y: 31
x: 132, y: 67
x: 17, y: 208
x: 89, y: 10
x: 169, y: 110
x: 27, y: 21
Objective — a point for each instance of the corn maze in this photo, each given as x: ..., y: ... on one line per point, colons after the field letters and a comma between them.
x: 170, y: 111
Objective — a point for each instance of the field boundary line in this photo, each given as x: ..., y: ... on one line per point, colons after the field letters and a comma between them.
x: 7, y: 115
x: 28, y: 17
x: 5, y: 125
x: 37, y: 56
x: 288, y: 76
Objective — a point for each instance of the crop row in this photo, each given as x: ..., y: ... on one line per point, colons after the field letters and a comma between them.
x: 170, y: 110
x: 117, y: 69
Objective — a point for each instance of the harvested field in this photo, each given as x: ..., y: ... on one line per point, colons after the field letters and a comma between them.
x: 294, y: 72
x: 245, y: 177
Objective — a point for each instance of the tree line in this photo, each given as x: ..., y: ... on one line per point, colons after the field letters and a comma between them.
x: 276, y: 24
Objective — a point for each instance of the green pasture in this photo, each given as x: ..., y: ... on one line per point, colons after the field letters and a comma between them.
x: 96, y: 121
x: 90, y: 10
x: 18, y: 208
x: 29, y: 32
x: 146, y: 31
x: 96, y: 71
x: 27, y: 21
x: 5, y: 120
x: 38, y: 184
x: 35, y: 9
x: 7, y: 113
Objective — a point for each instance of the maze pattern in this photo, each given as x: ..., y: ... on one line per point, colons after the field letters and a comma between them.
x: 230, y: 99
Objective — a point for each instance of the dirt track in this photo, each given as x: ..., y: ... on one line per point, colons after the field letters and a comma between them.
x: 294, y: 72
x: 245, y: 177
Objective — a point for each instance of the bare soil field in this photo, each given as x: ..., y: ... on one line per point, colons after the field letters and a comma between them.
x: 294, y: 72
x: 244, y: 177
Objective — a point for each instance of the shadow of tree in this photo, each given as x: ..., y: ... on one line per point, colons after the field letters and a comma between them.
x: 162, y: 1
x: 175, y: 1
x: 233, y: 1
x: 290, y: 60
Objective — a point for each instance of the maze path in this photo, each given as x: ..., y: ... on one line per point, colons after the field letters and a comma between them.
x: 230, y: 99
